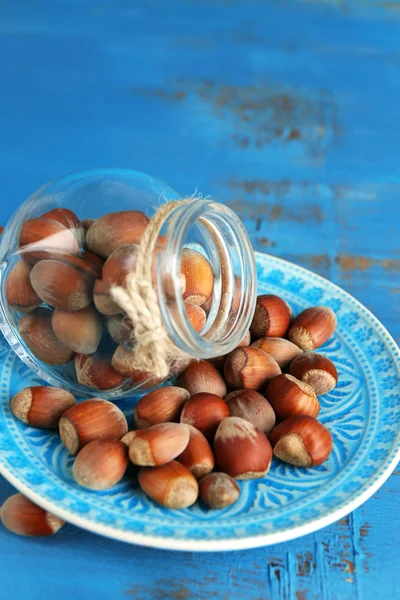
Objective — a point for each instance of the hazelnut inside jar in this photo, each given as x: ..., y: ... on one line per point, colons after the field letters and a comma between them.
x: 81, y: 249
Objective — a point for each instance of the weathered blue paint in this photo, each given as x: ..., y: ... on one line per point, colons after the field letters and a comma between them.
x: 289, y: 112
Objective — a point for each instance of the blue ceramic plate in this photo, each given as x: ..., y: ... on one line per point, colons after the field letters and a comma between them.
x: 362, y: 413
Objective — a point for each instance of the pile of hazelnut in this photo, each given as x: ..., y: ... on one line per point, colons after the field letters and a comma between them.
x: 62, y: 286
x: 182, y: 433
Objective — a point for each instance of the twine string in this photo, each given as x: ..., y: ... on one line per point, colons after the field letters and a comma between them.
x: 154, y: 350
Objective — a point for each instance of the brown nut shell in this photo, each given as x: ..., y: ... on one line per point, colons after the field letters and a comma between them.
x: 313, y: 327
x: 87, y: 223
x: 93, y: 262
x: 80, y: 331
x: 119, y: 264
x: 205, y: 412
x: 91, y: 420
x: 241, y: 450
x: 197, y: 456
x: 249, y: 368
x: 301, y: 441
x: 43, y: 238
x: 171, y: 485
x: 160, y: 406
x: 64, y: 216
x: 198, y: 275
x: 37, y: 332
x: 60, y: 285
x: 196, y: 315
x: 19, y: 291
x: 122, y: 362
x: 69, y: 219
x: 317, y: 370
x: 202, y: 376
x: 120, y: 328
x: 158, y: 445
x: 116, y: 229
x: 101, y: 464
x: 252, y: 407
x: 272, y: 317
x: 23, y: 517
x: 96, y: 372
x: 41, y: 406
x: 218, y: 490
x: 289, y: 396
x: 102, y: 299
x: 283, y: 351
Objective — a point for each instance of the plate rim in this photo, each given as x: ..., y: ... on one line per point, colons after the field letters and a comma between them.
x: 227, y: 544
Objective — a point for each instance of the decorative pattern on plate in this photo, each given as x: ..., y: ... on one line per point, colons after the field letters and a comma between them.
x: 362, y: 413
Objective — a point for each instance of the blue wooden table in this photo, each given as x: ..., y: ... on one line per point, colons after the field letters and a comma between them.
x: 287, y: 111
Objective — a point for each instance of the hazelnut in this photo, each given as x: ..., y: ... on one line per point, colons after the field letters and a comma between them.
x: 80, y: 331
x: 252, y: 407
x: 87, y: 223
x: 64, y: 216
x: 93, y: 262
x: 205, y: 412
x: 280, y: 349
x: 61, y: 285
x: 23, y: 517
x: 91, y: 420
x: 301, y: 441
x: 116, y: 229
x: 96, y: 372
x: 19, y: 291
x: 290, y: 396
x: 158, y: 445
x: 199, y: 277
x: 196, y: 316
x: 119, y: 264
x: 219, y: 361
x: 249, y: 368
x: 316, y: 370
x: 144, y: 380
x: 197, y: 456
x: 218, y: 490
x: 102, y: 299
x: 37, y: 333
x: 41, y: 238
x: 272, y: 317
x: 69, y: 219
x: 41, y: 406
x: 160, y: 406
x: 241, y: 450
x: 313, y: 327
x: 171, y: 485
x: 101, y: 464
x: 122, y: 362
x: 84, y: 263
x: 120, y: 329
x: 202, y: 376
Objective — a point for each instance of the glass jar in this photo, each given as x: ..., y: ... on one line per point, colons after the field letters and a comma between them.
x: 49, y: 272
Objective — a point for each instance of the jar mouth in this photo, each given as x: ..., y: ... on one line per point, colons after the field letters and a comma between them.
x: 214, y: 230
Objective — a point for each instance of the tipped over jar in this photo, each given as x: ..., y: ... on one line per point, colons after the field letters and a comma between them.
x: 108, y: 271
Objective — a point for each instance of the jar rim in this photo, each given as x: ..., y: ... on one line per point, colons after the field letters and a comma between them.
x: 209, y: 216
